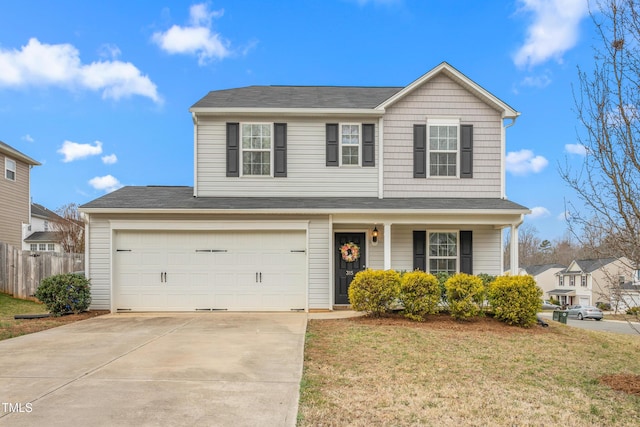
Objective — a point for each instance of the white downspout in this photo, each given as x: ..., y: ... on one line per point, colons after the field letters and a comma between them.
x: 195, y: 154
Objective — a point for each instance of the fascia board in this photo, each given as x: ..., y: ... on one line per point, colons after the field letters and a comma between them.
x: 347, y: 212
x: 288, y: 111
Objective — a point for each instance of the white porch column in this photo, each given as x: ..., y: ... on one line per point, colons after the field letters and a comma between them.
x: 514, y: 267
x: 387, y: 246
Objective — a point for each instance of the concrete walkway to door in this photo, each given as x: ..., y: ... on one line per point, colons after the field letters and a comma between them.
x: 210, y: 369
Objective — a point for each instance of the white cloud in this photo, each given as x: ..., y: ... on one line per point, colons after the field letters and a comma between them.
x: 554, y: 29
x: 39, y: 64
x: 74, y: 151
x: 28, y: 138
x: 578, y: 149
x: 539, y: 81
x: 197, y: 38
x: 539, y: 212
x: 110, y: 159
x: 524, y: 161
x: 108, y: 50
x: 107, y: 183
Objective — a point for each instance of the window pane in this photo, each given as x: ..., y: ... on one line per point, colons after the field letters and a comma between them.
x: 256, y: 163
x: 51, y: 246
x: 33, y: 247
x: 442, y: 265
x: 442, y: 164
x: 42, y: 246
x: 350, y: 155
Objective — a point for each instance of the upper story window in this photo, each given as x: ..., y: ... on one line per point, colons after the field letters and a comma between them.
x: 560, y: 280
x: 583, y: 281
x: 350, y: 144
x: 256, y: 148
x: 572, y: 280
x: 10, y: 169
x: 443, y: 252
x: 443, y: 150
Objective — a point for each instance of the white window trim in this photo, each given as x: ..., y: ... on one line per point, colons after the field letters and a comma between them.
x: 428, y: 252
x: 242, y: 150
x: 7, y: 161
x: 443, y: 121
x: 359, y: 144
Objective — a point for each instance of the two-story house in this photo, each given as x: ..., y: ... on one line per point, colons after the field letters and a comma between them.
x: 297, y: 188
x: 40, y: 234
x: 589, y: 281
x: 15, y: 194
x: 545, y: 275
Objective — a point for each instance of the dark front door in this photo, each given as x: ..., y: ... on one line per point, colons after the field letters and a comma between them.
x: 350, y: 258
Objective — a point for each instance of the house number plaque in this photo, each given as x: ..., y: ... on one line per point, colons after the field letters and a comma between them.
x: 349, y: 273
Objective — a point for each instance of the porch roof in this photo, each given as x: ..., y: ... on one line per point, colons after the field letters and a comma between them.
x: 181, y: 199
x: 567, y: 292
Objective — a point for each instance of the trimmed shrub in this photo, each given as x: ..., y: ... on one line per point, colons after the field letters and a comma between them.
x: 419, y: 294
x: 515, y: 300
x: 374, y: 291
x: 64, y: 293
x: 604, y: 306
x: 465, y: 294
x: 633, y: 311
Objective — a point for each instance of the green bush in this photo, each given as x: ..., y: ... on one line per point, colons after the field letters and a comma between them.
x: 515, y: 300
x: 633, y: 311
x: 419, y: 294
x: 464, y: 294
x: 374, y: 291
x: 64, y: 293
x: 604, y: 306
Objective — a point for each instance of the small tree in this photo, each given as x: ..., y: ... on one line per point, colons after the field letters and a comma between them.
x: 70, y: 226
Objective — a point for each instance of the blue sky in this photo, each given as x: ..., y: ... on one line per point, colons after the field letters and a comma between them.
x: 99, y: 92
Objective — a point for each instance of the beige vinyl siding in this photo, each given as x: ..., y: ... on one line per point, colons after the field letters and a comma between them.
x: 14, y: 208
x: 487, y: 247
x: 307, y: 173
x: 99, y: 262
x: 441, y: 97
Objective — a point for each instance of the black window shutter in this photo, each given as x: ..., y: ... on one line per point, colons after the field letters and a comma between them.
x: 368, y: 145
x: 466, y: 151
x: 233, y: 149
x: 280, y: 150
x: 466, y: 252
x: 420, y: 250
x: 333, y: 146
x: 419, y: 151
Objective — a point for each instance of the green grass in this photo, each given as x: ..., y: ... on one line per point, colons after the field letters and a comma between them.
x: 362, y: 372
x: 10, y: 306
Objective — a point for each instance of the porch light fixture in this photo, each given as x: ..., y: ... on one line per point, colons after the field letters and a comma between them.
x: 374, y: 235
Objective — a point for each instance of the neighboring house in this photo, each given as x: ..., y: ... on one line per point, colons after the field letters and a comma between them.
x: 298, y: 188
x: 39, y: 234
x: 626, y: 297
x: 544, y: 275
x: 589, y: 281
x: 15, y: 194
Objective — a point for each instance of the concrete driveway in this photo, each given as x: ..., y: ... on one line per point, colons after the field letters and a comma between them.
x: 210, y: 369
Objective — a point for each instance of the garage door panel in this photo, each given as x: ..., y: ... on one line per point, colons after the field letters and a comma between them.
x: 215, y: 270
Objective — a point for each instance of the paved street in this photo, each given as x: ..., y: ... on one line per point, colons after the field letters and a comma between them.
x: 615, y: 326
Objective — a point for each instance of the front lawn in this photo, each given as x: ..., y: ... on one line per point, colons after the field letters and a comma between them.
x: 9, y: 327
x: 389, y: 371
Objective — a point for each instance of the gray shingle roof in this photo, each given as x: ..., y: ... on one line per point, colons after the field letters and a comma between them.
x: 178, y: 198
x: 534, y: 270
x: 297, y: 97
x: 590, y: 265
x: 42, y: 212
x: 43, y: 237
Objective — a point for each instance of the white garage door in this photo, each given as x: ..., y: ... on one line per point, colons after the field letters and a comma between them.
x: 186, y: 271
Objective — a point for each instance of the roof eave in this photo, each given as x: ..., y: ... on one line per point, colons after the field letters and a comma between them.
x: 309, y: 211
x: 207, y: 111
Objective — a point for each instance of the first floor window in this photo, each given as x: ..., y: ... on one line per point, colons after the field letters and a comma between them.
x: 443, y: 150
x: 42, y: 246
x: 443, y: 252
x: 350, y: 141
x: 256, y: 149
x: 51, y: 247
x: 10, y: 169
x: 33, y: 246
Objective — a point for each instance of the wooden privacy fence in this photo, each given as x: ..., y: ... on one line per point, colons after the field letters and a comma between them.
x: 22, y: 271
